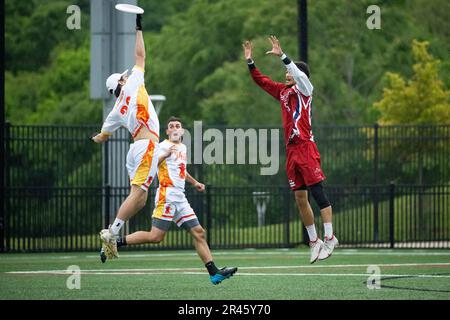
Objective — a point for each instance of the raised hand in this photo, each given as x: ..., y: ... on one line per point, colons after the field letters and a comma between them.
x: 247, y: 45
x: 167, y: 153
x: 276, y: 48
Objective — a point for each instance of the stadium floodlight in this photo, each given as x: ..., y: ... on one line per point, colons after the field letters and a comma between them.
x: 260, y: 199
x: 158, y: 101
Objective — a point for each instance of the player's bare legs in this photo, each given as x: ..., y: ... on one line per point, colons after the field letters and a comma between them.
x: 154, y: 236
x: 330, y: 240
x: 198, y: 233
x: 305, y: 210
x: 326, y: 214
x: 307, y: 216
x: 201, y: 246
x: 132, y: 204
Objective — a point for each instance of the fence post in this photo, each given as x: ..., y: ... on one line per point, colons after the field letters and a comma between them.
x: 287, y: 215
x: 106, y: 191
x: 107, y: 200
x: 391, y: 213
x: 304, y: 231
x: 375, y: 181
x: 208, y: 216
x: 5, y: 184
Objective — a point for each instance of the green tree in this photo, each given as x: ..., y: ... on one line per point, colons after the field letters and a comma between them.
x: 420, y: 100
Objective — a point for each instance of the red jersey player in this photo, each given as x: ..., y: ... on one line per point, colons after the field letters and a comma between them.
x: 302, y: 157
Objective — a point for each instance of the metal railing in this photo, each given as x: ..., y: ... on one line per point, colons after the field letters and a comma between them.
x: 54, y: 199
x: 64, y: 219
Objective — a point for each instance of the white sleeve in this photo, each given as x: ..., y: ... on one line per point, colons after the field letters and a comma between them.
x: 136, y: 79
x: 111, y: 124
x: 301, y: 79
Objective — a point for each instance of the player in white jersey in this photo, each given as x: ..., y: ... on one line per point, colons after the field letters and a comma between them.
x: 171, y: 204
x: 134, y: 111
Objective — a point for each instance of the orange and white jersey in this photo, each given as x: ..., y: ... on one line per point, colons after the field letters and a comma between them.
x: 133, y: 108
x: 170, y: 201
x: 172, y: 171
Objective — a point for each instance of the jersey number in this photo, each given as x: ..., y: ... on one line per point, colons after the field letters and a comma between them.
x: 124, y: 108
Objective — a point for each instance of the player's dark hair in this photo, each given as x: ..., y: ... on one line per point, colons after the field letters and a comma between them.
x: 303, y: 66
x: 117, y: 91
x: 173, y: 119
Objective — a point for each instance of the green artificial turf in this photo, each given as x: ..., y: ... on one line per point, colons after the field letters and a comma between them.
x: 278, y: 274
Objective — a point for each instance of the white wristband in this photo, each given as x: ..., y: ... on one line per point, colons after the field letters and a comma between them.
x: 284, y: 56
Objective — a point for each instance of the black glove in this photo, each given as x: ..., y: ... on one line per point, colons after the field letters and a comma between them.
x: 138, y: 22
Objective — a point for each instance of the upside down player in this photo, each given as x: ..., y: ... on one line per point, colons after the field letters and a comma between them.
x: 302, y: 157
x: 133, y: 110
x: 171, y: 204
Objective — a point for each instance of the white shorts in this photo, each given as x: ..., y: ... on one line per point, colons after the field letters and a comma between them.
x: 177, y: 211
x: 142, y: 163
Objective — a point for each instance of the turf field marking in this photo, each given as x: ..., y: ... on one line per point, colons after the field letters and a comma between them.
x: 243, y: 252
x: 167, y: 270
x: 63, y: 272
x: 246, y: 253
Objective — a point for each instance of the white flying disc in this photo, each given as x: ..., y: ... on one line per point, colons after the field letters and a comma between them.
x: 129, y: 8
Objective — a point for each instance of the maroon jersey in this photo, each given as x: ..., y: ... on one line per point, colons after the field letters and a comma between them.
x: 295, y: 107
x: 302, y: 156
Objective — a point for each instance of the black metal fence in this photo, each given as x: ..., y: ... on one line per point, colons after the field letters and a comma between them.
x: 55, y: 201
x: 60, y: 219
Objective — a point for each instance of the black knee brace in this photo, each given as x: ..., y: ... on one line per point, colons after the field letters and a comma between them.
x: 319, y: 196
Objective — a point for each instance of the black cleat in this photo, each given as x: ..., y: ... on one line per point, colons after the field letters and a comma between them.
x: 102, y: 255
x: 223, y: 274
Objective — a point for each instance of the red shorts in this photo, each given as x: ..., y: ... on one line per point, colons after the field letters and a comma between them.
x: 303, y: 164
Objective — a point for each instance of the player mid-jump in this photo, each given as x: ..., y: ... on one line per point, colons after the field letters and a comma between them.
x: 134, y: 111
x: 302, y: 157
x: 171, y: 204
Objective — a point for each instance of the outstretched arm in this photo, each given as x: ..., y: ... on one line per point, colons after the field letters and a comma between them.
x: 110, y: 125
x: 301, y: 79
x: 267, y: 84
x: 140, y: 48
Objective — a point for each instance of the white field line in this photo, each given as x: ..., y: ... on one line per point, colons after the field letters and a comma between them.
x: 335, y: 253
x: 246, y: 252
x: 263, y: 274
x: 184, y: 270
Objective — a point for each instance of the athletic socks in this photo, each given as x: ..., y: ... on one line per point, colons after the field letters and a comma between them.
x: 116, y: 226
x: 328, y: 227
x: 122, y: 241
x: 312, y: 232
x: 212, y: 269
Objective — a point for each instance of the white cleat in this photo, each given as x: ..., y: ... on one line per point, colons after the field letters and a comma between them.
x: 315, y: 249
x: 328, y: 247
x: 109, y: 244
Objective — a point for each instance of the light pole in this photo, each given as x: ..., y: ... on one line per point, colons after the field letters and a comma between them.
x: 158, y: 101
x: 302, y: 23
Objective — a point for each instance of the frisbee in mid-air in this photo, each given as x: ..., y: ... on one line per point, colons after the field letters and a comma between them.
x: 129, y: 8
